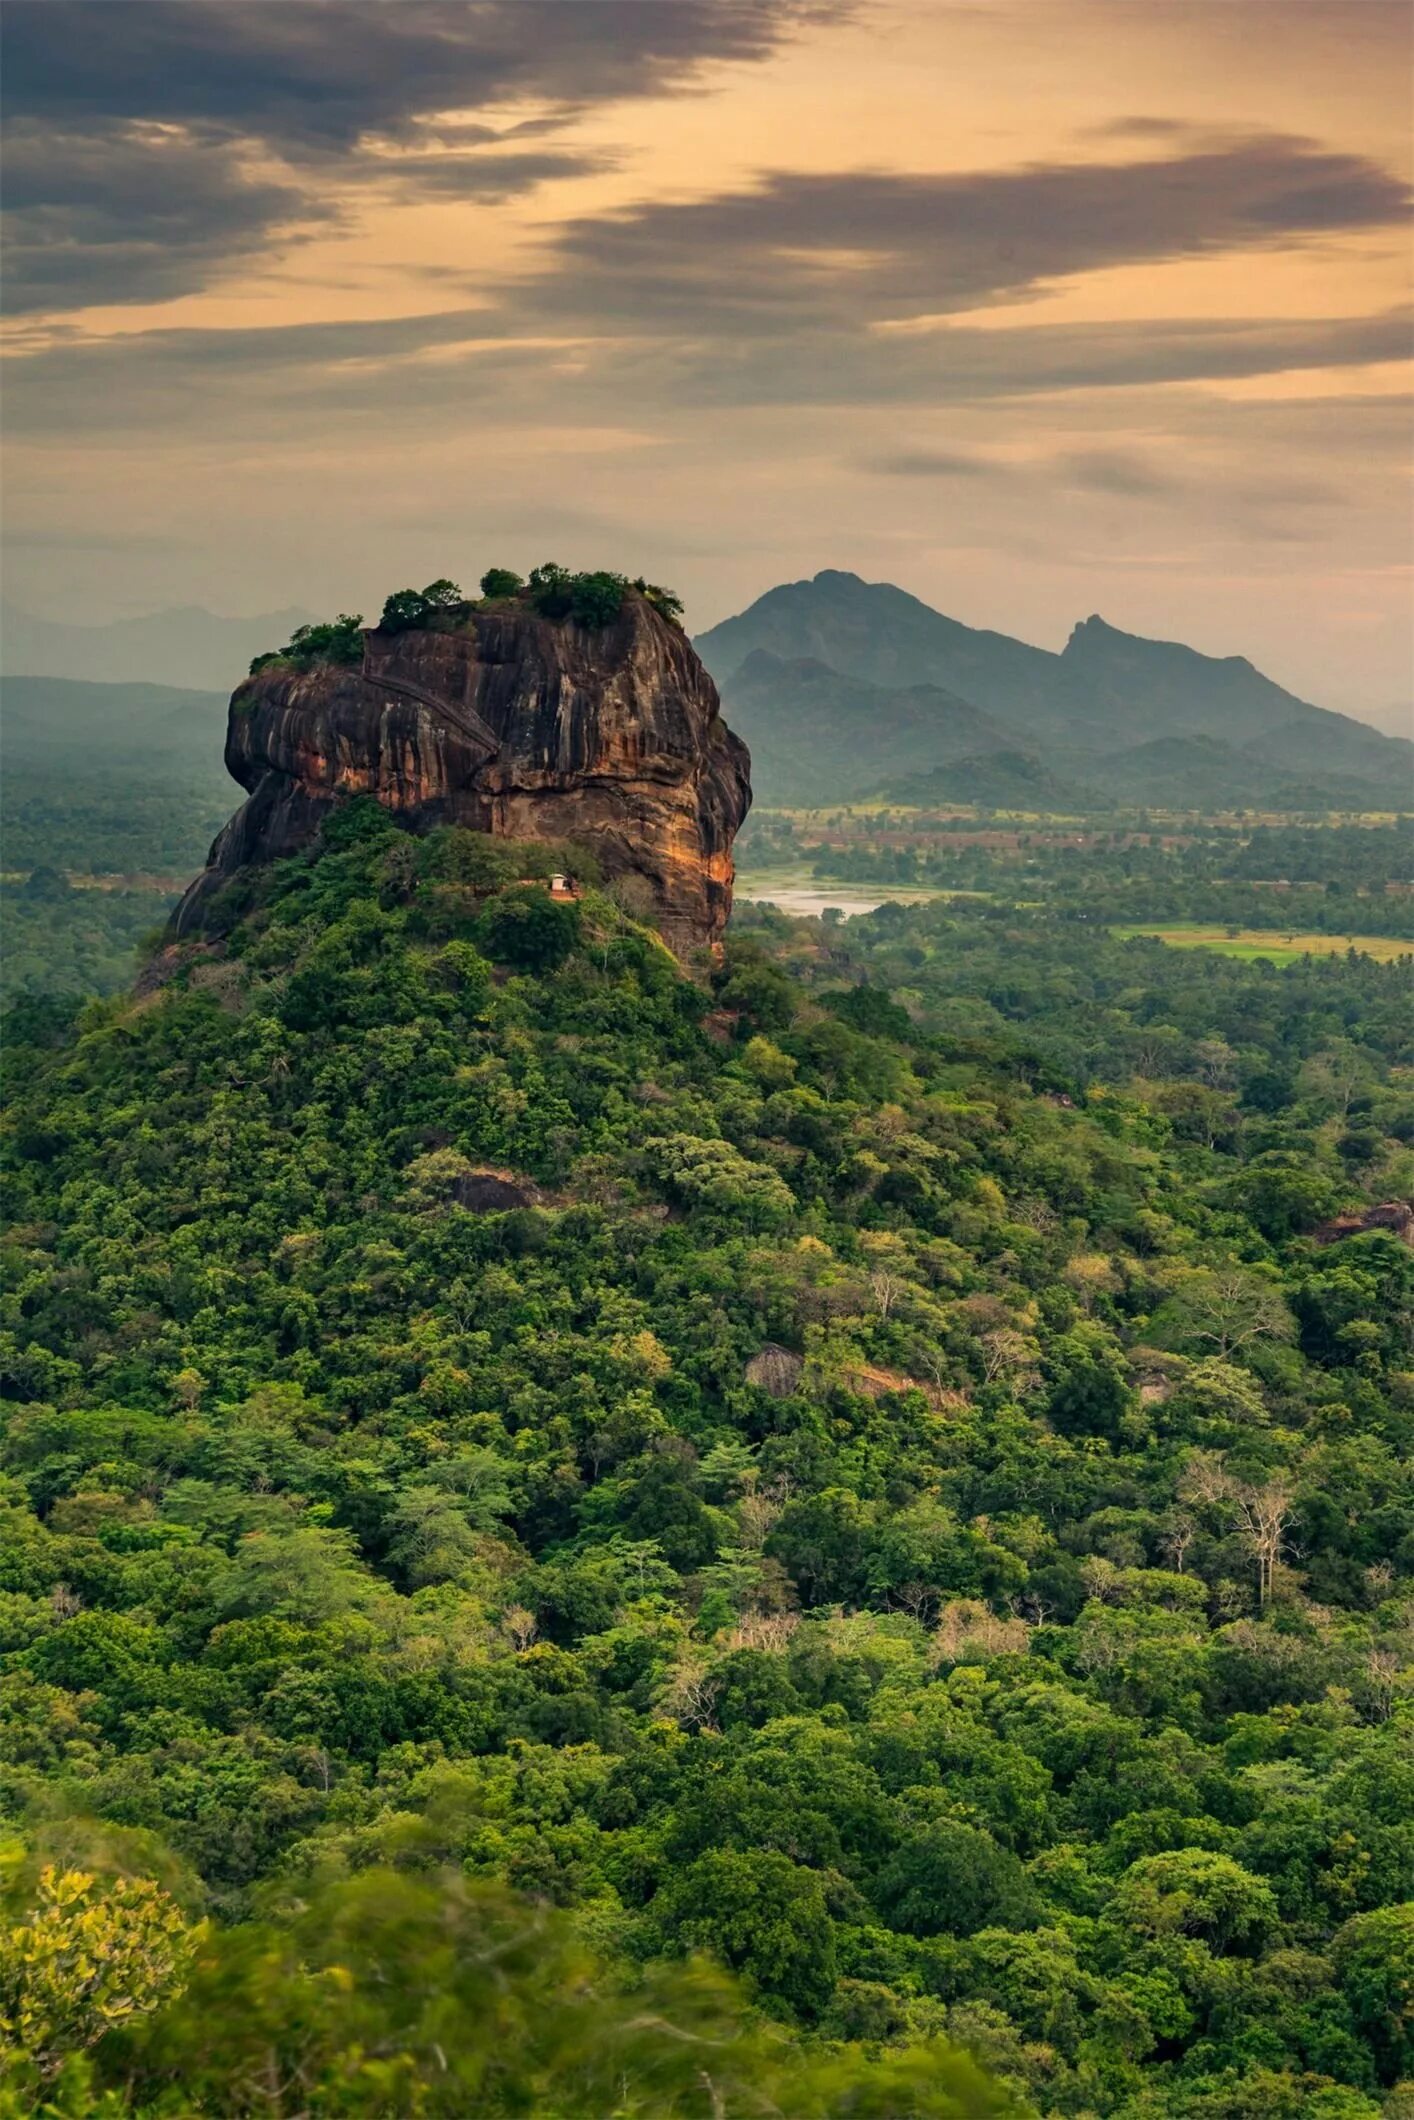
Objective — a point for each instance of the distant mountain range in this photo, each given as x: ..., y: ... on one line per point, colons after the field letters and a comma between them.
x: 806, y: 722
x: 845, y: 688
x: 188, y: 647
x: 87, y: 730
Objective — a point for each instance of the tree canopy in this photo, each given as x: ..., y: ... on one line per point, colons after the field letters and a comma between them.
x: 446, y: 1667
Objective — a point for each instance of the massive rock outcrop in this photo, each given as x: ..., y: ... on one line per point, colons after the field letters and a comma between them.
x: 509, y: 723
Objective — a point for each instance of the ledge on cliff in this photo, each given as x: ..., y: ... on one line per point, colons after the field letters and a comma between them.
x: 505, y: 721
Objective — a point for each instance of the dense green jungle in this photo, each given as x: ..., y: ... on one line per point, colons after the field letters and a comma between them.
x: 1336, y: 878
x: 830, y: 1536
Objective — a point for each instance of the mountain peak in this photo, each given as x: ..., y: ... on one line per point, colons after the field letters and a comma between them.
x: 1096, y: 633
x: 1107, y: 691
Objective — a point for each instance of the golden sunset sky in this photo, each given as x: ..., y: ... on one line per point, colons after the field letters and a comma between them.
x: 1034, y: 307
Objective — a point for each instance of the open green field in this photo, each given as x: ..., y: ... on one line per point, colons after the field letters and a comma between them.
x: 1280, y: 947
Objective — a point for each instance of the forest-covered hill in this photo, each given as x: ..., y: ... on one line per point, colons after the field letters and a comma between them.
x: 517, y: 1460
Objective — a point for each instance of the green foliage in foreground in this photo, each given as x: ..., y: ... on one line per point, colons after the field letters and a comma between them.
x: 939, y: 1552
x: 394, y: 1993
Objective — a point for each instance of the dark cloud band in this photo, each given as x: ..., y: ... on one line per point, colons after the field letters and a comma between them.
x: 804, y: 248
x: 131, y: 125
x: 326, y: 73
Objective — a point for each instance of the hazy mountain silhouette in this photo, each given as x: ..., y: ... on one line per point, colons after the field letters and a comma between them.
x: 188, y: 647
x: 883, y: 636
x: 996, y: 780
x: 894, y: 680
x: 61, y: 722
x: 803, y: 722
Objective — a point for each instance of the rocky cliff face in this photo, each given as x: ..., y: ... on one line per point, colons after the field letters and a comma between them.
x: 508, y: 723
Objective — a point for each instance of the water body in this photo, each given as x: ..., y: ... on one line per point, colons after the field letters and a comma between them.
x: 793, y: 892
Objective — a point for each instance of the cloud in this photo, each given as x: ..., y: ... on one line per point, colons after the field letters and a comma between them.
x: 486, y: 176
x: 153, y: 146
x: 1225, y: 485
x: 1092, y: 470
x: 178, y: 100
x: 1138, y: 127
x: 846, y: 287
x: 1288, y: 492
x: 128, y: 214
x: 1114, y: 471
x: 802, y: 248
x: 116, y: 216
x: 1130, y: 477
x: 974, y: 364
x: 324, y: 74
x: 932, y: 463
x: 458, y: 365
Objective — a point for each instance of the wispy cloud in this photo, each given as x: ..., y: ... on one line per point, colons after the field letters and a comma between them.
x: 933, y: 463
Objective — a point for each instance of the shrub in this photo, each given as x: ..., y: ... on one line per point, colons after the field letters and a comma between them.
x: 404, y: 608
x: 951, y: 1880
x: 338, y: 640
x: 714, y: 1175
x: 88, y: 1957
x: 407, y: 608
x: 764, y: 1916
x: 550, y: 590
x: 593, y: 599
x: 526, y: 926
x: 663, y: 600
x: 498, y: 582
x: 1374, y: 1956
x: 1196, y: 1892
x: 442, y: 595
x: 597, y: 599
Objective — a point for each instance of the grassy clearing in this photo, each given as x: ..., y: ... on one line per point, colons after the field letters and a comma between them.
x: 1277, y: 945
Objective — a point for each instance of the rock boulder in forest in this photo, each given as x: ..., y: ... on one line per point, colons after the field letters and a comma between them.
x: 508, y: 722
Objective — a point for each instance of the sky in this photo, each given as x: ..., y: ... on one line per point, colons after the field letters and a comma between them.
x: 1037, y: 308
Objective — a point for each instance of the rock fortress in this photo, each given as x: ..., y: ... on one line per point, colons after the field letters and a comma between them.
x: 503, y: 720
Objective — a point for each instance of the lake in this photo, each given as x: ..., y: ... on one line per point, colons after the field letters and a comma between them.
x: 795, y: 891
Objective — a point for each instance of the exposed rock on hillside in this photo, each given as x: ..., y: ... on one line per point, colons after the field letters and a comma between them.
x: 1395, y: 1216
x: 775, y: 1370
x: 510, y: 723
